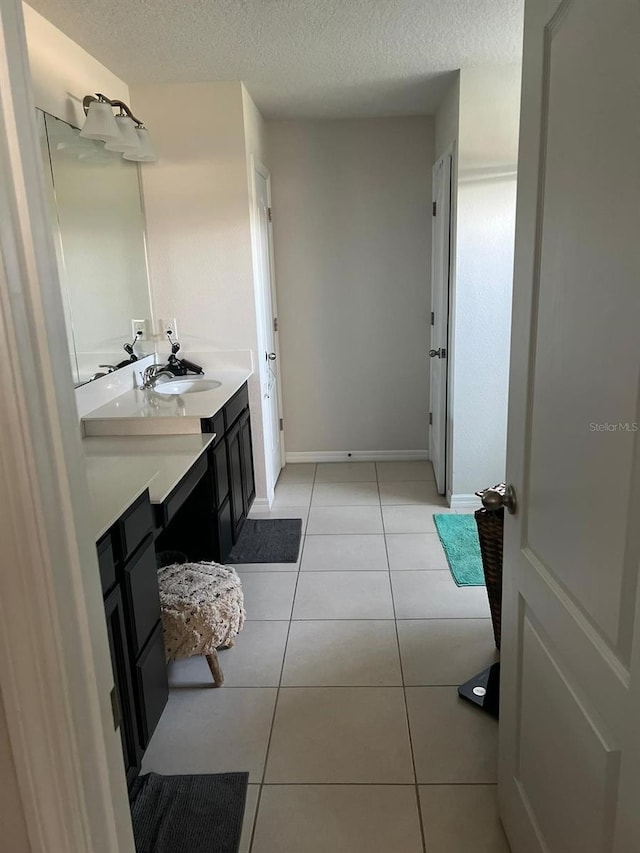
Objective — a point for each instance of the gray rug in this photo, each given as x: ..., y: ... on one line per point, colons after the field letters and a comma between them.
x: 188, y: 814
x: 275, y: 540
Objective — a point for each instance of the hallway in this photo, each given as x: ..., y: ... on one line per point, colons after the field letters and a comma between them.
x: 340, y: 694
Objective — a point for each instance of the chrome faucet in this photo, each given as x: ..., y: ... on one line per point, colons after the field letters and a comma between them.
x: 153, y: 373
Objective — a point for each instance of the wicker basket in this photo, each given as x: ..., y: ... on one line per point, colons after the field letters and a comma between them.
x: 490, y: 532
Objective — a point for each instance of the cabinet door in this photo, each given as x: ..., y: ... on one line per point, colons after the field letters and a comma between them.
x: 234, y: 451
x: 142, y: 596
x: 248, y: 481
x: 122, y: 681
x: 225, y: 530
x: 220, y: 473
x: 152, y: 686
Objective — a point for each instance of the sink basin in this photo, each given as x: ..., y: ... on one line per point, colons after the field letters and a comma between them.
x: 174, y: 387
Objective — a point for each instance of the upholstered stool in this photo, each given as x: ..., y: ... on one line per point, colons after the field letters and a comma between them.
x: 202, y: 609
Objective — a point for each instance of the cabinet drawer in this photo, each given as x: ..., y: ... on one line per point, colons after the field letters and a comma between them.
x: 152, y: 687
x: 135, y: 524
x: 214, y: 424
x: 106, y: 563
x: 236, y: 405
x: 143, y: 598
x: 184, y: 488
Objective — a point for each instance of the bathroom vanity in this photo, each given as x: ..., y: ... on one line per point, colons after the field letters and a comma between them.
x: 154, y: 491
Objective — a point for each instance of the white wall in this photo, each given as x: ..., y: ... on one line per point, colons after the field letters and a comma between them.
x: 352, y: 234
x: 63, y: 73
x: 197, y: 207
x: 483, y: 276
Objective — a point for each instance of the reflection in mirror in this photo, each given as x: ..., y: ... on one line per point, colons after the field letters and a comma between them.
x: 98, y: 224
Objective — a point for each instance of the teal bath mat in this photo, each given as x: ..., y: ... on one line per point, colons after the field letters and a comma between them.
x: 459, y: 537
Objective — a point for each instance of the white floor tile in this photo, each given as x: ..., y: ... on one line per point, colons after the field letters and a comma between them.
x: 250, y: 807
x: 292, y: 494
x: 297, y: 472
x: 254, y: 661
x: 268, y: 595
x: 434, y: 595
x: 331, y: 553
x: 213, y: 730
x: 340, y: 734
x: 389, y: 472
x: 343, y: 595
x: 410, y: 492
x: 410, y: 519
x: 345, y: 494
x: 345, y: 519
x: 342, y: 653
x: 445, y: 651
x: 340, y: 819
x: 453, y: 741
x: 479, y: 832
x: 346, y: 472
x: 416, y: 551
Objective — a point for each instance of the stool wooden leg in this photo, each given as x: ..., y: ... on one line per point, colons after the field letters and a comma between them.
x: 214, y: 666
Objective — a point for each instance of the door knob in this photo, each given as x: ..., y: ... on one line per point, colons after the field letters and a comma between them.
x: 438, y: 353
x: 493, y: 499
x: 271, y: 356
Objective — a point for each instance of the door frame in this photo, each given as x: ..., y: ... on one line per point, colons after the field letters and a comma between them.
x: 55, y: 668
x: 447, y: 155
x: 264, y: 323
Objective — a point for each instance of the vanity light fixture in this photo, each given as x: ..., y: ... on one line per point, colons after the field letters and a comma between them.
x: 122, y: 132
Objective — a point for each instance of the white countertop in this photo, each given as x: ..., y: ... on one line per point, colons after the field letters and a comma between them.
x: 120, y: 468
x: 139, y: 412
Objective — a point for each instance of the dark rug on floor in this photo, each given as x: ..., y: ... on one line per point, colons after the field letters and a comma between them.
x: 275, y: 540
x: 188, y: 814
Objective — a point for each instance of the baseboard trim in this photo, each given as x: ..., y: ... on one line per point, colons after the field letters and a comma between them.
x: 260, y: 505
x: 359, y: 456
x: 464, y: 501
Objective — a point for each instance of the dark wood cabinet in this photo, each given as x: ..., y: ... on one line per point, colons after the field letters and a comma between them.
x: 238, y: 506
x: 246, y: 450
x: 232, y: 470
x: 127, y: 560
x: 150, y: 683
x: 123, y: 687
x: 202, y: 518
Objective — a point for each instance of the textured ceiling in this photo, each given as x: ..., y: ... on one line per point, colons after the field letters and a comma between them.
x: 311, y: 58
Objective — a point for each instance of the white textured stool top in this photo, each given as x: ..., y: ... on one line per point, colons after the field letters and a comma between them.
x: 202, y: 608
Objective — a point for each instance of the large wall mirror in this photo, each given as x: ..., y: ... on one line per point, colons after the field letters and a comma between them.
x: 99, y: 233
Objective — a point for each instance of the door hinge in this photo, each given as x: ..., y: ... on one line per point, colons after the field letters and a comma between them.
x: 275, y: 324
x: 430, y: 418
x: 281, y: 424
x: 435, y: 207
x: 115, y: 709
x: 270, y: 214
x: 433, y: 319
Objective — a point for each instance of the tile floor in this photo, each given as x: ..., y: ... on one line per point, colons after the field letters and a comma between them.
x: 340, y: 694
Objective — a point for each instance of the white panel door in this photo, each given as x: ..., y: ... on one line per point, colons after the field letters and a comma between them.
x: 569, y: 778
x: 440, y: 242
x: 269, y: 354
